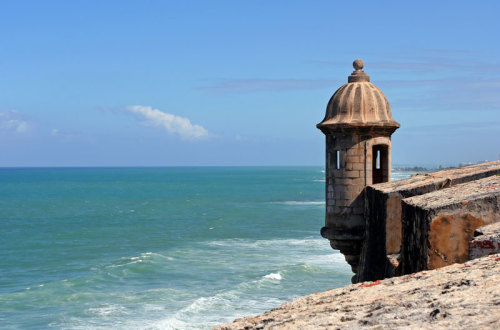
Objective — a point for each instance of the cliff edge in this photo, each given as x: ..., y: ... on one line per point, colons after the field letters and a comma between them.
x: 459, y: 296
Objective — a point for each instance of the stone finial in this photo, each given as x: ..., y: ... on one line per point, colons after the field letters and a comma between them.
x: 358, y: 75
x: 358, y: 64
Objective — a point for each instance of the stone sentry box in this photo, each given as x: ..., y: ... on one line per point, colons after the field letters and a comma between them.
x: 365, y: 213
x: 358, y: 126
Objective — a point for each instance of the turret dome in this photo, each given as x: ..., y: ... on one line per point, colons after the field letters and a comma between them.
x: 358, y: 105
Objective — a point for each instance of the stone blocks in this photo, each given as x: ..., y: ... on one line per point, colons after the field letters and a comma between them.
x: 438, y: 226
x: 486, y: 241
x: 346, y: 179
x: 383, y: 213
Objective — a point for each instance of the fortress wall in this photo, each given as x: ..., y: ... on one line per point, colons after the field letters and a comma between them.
x: 438, y: 226
x: 383, y: 212
x: 486, y: 241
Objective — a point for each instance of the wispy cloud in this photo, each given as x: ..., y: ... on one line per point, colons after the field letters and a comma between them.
x: 460, y: 93
x: 13, y: 121
x: 261, y: 85
x: 173, y: 124
x: 455, y: 127
x: 423, y: 65
x: 452, y: 130
x: 440, y: 51
x: 435, y: 61
x: 438, y: 66
x: 64, y: 133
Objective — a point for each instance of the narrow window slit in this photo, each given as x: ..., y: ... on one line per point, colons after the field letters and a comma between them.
x: 380, y: 165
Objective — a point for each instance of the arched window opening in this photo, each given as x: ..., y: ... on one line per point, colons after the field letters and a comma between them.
x: 380, y: 164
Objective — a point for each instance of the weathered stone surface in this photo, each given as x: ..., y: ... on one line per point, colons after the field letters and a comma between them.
x: 438, y: 226
x: 358, y: 103
x: 485, y: 242
x: 460, y: 296
x: 383, y: 213
x: 358, y: 124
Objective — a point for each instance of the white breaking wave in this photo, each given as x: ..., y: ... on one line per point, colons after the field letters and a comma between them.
x: 195, y: 314
x: 273, y: 276
x: 144, y: 257
x: 300, y: 203
x: 401, y: 175
x: 279, y: 243
x: 108, y: 310
x: 229, y: 305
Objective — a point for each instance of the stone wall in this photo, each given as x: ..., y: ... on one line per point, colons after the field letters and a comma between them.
x: 345, y: 181
x: 486, y: 241
x: 438, y: 226
x: 383, y: 212
x: 349, y: 168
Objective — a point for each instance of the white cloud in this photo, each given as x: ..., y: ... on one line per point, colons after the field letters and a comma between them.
x: 13, y: 121
x: 63, y: 133
x: 239, y: 137
x: 171, y: 123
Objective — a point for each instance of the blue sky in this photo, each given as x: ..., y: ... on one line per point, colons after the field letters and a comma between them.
x: 194, y: 83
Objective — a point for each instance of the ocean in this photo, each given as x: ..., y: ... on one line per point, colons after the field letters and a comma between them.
x: 160, y: 248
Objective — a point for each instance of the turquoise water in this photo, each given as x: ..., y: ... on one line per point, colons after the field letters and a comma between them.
x: 159, y: 248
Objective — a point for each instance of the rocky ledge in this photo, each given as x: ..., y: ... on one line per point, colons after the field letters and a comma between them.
x: 459, y: 296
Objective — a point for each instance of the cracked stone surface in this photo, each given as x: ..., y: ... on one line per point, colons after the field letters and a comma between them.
x: 486, y: 242
x: 459, y: 296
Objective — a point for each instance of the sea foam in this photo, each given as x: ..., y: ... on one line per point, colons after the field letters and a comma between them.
x: 301, y: 203
x: 273, y: 276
